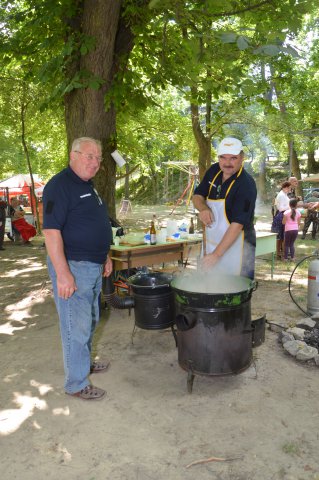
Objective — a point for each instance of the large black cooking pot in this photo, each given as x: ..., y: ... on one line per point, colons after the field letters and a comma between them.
x: 154, y: 306
x: 214, y: 332
x: 201, y: 300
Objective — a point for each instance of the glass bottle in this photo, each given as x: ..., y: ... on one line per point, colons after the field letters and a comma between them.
x: 153, y: 233
x: 191, y: 226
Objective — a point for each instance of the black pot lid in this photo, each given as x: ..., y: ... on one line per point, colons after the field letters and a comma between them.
x: 150, y: 280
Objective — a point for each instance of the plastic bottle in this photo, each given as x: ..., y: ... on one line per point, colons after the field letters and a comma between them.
x: 153, y: 233
x: 191, y: 226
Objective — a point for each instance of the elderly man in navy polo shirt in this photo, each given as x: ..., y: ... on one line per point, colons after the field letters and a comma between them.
x: 78, y: 235
x: 226, y: 199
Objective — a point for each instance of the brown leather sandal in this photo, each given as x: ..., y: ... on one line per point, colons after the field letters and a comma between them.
x: 98, y: 367
x: 89, y: 393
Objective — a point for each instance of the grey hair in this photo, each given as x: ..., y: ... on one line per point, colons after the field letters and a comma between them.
x: 76, y: 145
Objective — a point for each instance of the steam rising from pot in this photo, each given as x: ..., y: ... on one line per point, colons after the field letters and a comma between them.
x: 211, y: 282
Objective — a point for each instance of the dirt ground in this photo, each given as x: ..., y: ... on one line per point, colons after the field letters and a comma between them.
x: 263, y: 422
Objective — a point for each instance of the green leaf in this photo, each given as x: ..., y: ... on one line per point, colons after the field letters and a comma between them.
x: 83, y: 50
x: 153, y: 3
x: 271, y: 50
x: 248, y: 87
x: 242, y: 43
x: 94, y: 84
x: 228, y: 37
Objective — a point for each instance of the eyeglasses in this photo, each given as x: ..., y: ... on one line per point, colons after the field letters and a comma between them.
x: 218, y: 191
x: 89, y: 156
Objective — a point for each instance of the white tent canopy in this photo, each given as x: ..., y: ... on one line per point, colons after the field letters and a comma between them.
x: 21, y: 181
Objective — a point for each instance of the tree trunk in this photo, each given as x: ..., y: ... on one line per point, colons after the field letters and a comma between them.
x: 261, y: 180
x: 155, y: 189
x: 295, y: 167
x: 312, y: 164
x: 181, y: 185
x: 165, y: 186
x: 85, y: 113
x: 293, y: 157
x: 204, y: 143
x: 33, y: 197
x: 127, y: 181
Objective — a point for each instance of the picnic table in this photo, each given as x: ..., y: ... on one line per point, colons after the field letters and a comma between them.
x: 130, y: 256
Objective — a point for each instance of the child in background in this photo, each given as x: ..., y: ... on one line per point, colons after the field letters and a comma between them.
x: 291, y: 221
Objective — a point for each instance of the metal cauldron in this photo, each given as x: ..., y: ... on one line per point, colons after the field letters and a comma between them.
x: 214, y: 332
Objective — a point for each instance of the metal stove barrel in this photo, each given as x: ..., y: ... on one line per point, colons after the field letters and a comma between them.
x: 214, y: 332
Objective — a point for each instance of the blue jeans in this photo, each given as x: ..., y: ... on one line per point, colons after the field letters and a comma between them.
x: 78, y: 316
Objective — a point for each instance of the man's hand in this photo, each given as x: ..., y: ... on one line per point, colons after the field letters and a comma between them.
x: 65, y: 281
x: 66, y: 285
x: 230, y: 236
x: 108, y: 267
x: 208, y: 261
x: 206, y: 216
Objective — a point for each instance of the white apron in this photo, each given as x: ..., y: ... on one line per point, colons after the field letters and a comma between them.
x: 231, y: 261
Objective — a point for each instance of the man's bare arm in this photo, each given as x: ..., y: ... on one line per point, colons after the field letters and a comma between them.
x: 205, y: 213
x: 55, y: 248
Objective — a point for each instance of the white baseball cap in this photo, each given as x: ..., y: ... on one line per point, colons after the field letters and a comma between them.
x: 230, y: 146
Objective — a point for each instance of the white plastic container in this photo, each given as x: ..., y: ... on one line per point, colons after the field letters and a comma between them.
x: 172, y: 227
x: 161, y: 235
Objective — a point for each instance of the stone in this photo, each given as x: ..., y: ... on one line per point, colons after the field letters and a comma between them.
x: 298, y: 333
x: 285, y: 337
x: 293, y: 346
x: 306, y: 323
x: 316, y: 359
x: 306, y: 353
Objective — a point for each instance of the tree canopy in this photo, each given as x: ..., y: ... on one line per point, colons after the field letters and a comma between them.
x: 101, y: 65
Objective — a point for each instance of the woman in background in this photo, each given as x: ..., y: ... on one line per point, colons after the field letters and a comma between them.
x: 291, y: 222
x: 19, y: 223
x: 281, y: 204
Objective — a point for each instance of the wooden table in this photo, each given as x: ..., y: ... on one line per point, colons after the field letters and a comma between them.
x: 266, y: 243
x: 126, y: 257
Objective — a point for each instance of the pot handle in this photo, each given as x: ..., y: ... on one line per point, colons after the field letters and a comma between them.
x: 185, y: 322
x: 153, y: 286
x: 163, y: 285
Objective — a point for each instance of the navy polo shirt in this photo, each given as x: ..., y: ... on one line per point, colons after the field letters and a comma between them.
x: 72, y: 206
x: 240, y: 201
